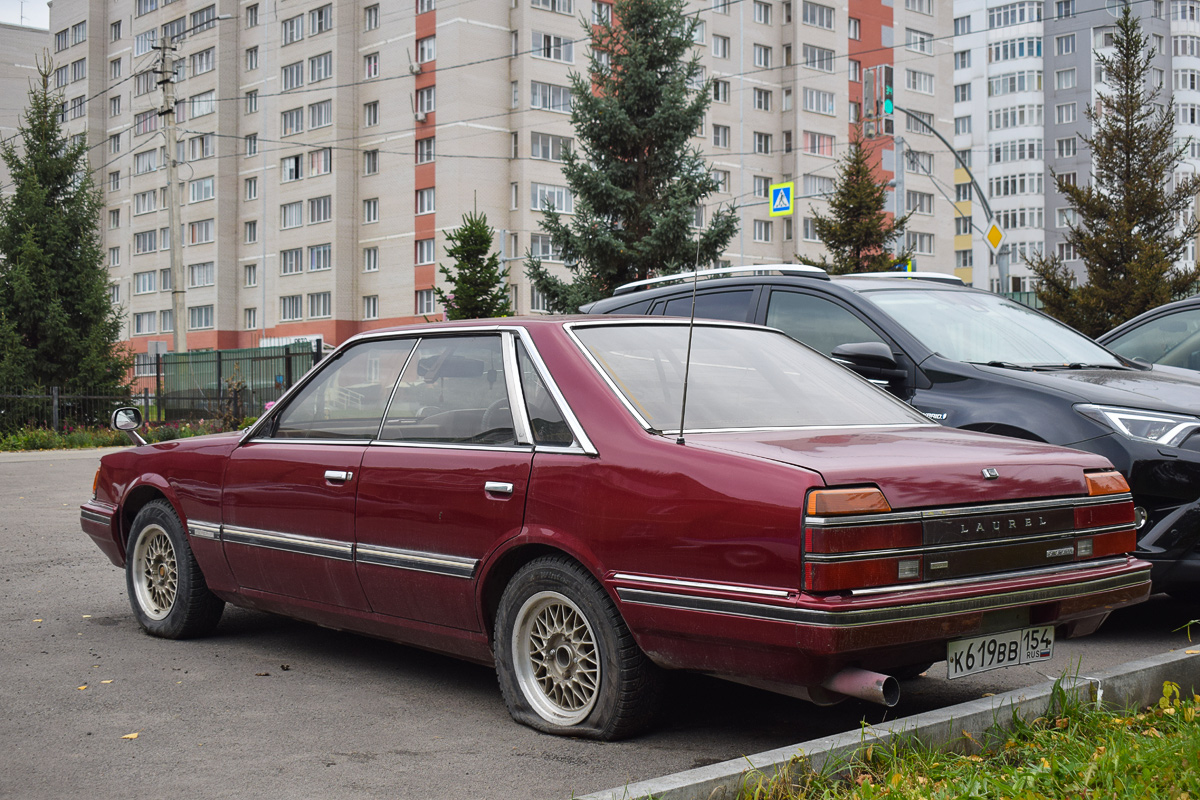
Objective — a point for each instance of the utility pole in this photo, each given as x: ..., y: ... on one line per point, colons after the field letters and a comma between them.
x: 901, y: 166
x: 166, y: 82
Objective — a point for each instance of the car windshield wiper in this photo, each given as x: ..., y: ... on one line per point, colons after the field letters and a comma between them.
x: 1002, y: 365
x: 1079, y: 365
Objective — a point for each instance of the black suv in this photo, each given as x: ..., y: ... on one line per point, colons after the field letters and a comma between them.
x: 975, y: 360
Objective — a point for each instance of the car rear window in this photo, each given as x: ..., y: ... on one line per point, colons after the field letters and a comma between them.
x: 740, y: 378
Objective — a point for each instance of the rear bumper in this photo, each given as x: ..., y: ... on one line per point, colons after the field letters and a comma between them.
x: 99, y: 521
x: 804, y: 641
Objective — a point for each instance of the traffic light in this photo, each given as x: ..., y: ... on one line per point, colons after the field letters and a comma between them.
x: 887, y: 90
x: 869, y: 106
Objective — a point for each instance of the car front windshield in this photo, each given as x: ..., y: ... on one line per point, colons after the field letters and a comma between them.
x: 988, y: 329
x: 740, y: 378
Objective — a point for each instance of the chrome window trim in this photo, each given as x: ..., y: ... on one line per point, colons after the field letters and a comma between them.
x: 349, y: 442
x: 861, y: 555
x: 396, y: 387
x: 416, y: 561
x: 483, y: 448
x: 687, y: 584
x: 877, y: 616
x: 205, y: 530
x: 516, y: 397
x: 965, y: 511
x: 289, y: 542
x: 582, y: 443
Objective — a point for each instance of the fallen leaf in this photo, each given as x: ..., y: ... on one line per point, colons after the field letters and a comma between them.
x: 130, y: 736
x: 285, y: 667
x: 988, y: 694
x: 81, y: 688
x: 38, y: 620
x: 107, y: 681
x: 261, y: 674
x: 87, y: 616
x: 1186, y: 652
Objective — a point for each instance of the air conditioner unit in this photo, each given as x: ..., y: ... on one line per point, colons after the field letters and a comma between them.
x: 415, y: 69
x: 419, y: 116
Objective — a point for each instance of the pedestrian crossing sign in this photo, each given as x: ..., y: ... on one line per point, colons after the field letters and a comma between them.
x: 782, y: 196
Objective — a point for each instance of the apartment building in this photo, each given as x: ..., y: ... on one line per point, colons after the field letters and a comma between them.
x: 1024, y: 73
x: 20, y: 47
x: 324, y: 149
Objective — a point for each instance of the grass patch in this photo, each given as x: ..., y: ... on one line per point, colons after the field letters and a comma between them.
x: 79, y: 438
x: 1074, y: 751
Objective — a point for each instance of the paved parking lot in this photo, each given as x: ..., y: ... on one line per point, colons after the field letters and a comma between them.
x: 273, y: 708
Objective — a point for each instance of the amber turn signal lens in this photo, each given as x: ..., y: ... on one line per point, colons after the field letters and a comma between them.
x: 95, y: 483
x: 830, y: 502
x: 1100, y: 483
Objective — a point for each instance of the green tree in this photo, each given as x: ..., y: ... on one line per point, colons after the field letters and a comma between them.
x: 57, y: 326
x: 636, y: 177
x: 477, y: 283
x: 1125, y: 228
x: 858, y: 233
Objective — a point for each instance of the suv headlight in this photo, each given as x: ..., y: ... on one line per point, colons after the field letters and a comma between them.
x: 1146, y: 426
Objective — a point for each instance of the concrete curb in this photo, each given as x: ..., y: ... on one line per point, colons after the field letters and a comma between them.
x: 1136, y: 684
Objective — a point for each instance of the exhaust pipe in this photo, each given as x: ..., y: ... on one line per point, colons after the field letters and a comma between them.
x: 865, y: 685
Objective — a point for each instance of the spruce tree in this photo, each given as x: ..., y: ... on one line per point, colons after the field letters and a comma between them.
x: 859, y: 235
x: 57, y: 326
x: 1125, y: 230
x: 477, y: 283
x: 635, y: 175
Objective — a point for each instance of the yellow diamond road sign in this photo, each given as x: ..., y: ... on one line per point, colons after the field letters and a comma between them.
x: 994, y: 237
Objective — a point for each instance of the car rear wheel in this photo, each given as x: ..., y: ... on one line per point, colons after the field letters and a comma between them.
x: 166, y: 588
x: 566, y: 662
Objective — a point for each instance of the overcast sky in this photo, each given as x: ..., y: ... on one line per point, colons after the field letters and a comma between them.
x: 37, y: 13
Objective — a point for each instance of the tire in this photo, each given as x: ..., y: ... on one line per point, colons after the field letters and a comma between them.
x: 166, y: 588
x: 565, y: 660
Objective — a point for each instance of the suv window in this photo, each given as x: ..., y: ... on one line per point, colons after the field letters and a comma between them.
x: 733, y: 306
x: 819, y: 323
x: 1170, y: 340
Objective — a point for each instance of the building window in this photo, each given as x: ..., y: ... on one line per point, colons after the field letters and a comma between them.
x: 291, y: 261
x: 424, y: 301
x: 918, y: 81
x: 1064, y: 45
x: 370, y: 307
x: 370, y: 18
x: 200, y: 317
x: 291, y: 308
x: 547, y: 196
x: 919, y: 243
x: 720, y: 136
x: 762, y: 230
x: 291, y: 215
x: 919, y: 202
x: 424, y: 251
x: 203, y: 19
x: 200, y: 232
x: 370, y: 162
x: 371, y: 259
x: 320, y: 209
x: 853, y: 29
x: 425, y: 5
x: 425, y: 150
x: 145, y: 282
x: 201, y: 274
x: 425, y: 201
x: 320, y: 115
x: 293, y: 75
x: 762, y: 143
x: 371, y: 65
x: 818, y: 58
x: 320, y: 19
x: 427, y: 100
x: 1065, y: 147
x: 819, y: 102
x: 550, y: 97
x: 290, y: 169
x: 370, y: 114
x: 818, y: 16
x: 720, y: 46
x: 250, y: 318
x: 145, y: 323
x: 762, y: 56
x: 962, y: 59
x: 962, y: 92
x: 762, y: 12
x: 200, y: 190
x: 252, y: 16
x: 114, y: 31
x: 250, y: 230
x: 962, y: 26
x: 920, y: 6
x: 292, y: 121
x: 1064, y: 79
x: 252, y: 101
x: 1065, y: 113
x: 320, y: 257
x: 371, y: 209
x: 203, y: 104
x: 720, y: 91
x: 918, y: 41
x: 762, y: 185
x: 964, y: 258
x: 205, y: 60
x: 293, y: 29
x: 818, y: 144
x: 962, y: 125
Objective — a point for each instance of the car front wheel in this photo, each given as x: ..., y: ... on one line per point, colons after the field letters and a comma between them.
x: 166, y: 588
x: 566, y: 662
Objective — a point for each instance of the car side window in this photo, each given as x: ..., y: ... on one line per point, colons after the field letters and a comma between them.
x: 733, y: 306
x: 549, y: 426
x: 819, y: 323
x: 1171, y: 339
x: 452, y: 391
x: 347, y: 398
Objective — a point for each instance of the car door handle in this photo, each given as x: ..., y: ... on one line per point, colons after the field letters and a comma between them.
x: 498, y: 487
x: 338, y: 475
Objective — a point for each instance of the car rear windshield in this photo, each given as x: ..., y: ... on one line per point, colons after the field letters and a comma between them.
x: 982, y: 328
x: 740, y: 378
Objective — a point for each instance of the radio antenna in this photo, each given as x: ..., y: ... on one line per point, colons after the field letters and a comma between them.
x: 687, y: 362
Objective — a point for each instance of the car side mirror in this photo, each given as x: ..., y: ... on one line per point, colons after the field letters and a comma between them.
x: 872, y: 360
x: 128, y: 419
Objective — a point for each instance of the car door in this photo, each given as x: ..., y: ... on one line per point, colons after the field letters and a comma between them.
x: 446, y: 480
x: 289, y: 495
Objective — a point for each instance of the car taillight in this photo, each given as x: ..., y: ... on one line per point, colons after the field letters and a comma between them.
x: 95, y: 483
x: 1114, y: 543
x: 858, y: 537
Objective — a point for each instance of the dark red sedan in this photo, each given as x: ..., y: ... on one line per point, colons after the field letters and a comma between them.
x: 539, y: 494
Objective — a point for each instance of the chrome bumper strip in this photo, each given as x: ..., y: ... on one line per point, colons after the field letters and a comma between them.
x: 684, y: 584
x: 880, y: 616
x: 95, y: 516
x: 289, y: 542
x: 453, y: 566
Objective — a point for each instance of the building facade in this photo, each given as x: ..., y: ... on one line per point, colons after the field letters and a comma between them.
x: 20, y: 48
x: 324, y: 149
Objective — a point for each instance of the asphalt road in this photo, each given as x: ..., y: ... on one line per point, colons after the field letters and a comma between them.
x: 273, y: 708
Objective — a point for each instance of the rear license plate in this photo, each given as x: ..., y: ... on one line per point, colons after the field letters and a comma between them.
x: 982, y: 653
